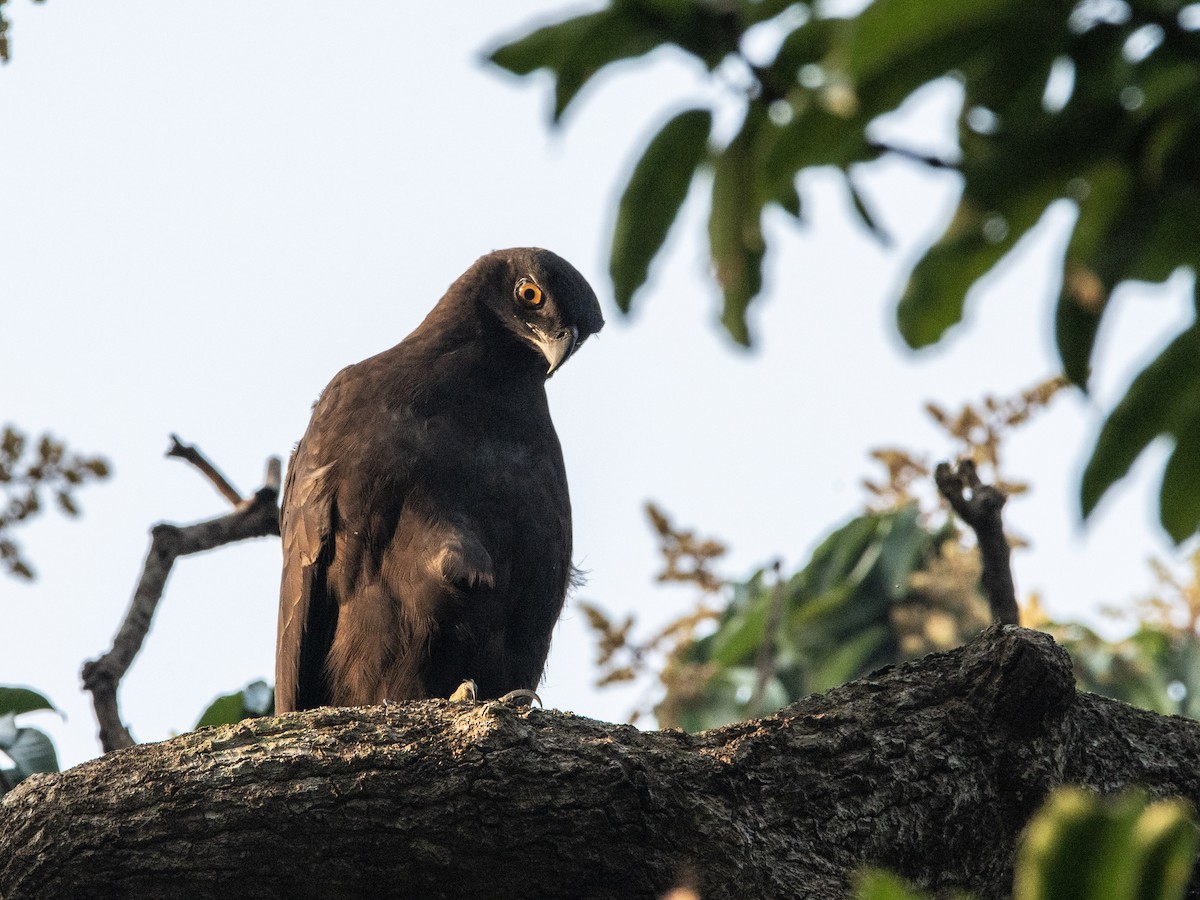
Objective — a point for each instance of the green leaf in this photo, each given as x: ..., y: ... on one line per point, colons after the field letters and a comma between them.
x: 1179, y: 496
x: 225, y: 710
x: 256, y: 699
x: 1057, y: 853
x: 724, y: 698
x: 1083, y: 846
x: 849, y: 658
x: 815, y: 136
x: 735, y: 225
x: 1166, y: 841
x: 1169, y: 241
x: 974, y: 242
x: 30, y: 749
x: 17, y: 700
x: 1088, y: 273
x: 544, y: 47
x: 1075, y: 328
x: 937, y: 288
x: 839, y: 554
x: 808, y: 44
x: 889, y: 34
x: 1001, y: 49
x: 577, y: 49
x: 875, y: 884
x: 741, y: 633
x: 904, y: 542
x: 751, y: 12
x: 652, y: 199
x: 1163, y: 398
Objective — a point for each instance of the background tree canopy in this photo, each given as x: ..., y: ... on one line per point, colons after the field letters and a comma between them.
x: 1090, y: 103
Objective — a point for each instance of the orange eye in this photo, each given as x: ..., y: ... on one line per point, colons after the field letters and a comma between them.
x: 529, y: 293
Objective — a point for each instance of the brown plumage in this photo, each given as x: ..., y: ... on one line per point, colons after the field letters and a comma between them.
x: 426, y: 522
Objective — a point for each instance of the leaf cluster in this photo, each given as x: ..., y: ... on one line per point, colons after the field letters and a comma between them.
x: 852, y: 609
x: 255, y: 699
x: 29, y: 471
x: 1084, y: 103
x: 687, y: 559
x: 28, y: 750
x: 1080, y: 846
x: 1158, y: 665
x: 893, y: 583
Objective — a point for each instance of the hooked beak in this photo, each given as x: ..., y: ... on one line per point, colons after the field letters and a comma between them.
x: 556, y: 347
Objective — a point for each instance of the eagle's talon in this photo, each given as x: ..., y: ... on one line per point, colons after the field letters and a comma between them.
x: 522, y: 697
x: 467, y: 692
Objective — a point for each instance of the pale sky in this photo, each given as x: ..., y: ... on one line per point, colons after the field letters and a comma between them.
x: 207, y: 211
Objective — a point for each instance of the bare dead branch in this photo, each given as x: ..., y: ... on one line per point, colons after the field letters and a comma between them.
x: 980, y: 506
x: 190, y: 453
x: 255, y: 517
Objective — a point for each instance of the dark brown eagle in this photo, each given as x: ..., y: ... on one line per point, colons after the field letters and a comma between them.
x: 426, y: 522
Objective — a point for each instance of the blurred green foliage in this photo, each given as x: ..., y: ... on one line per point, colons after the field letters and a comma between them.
x: 1080, y: 846
x: 255, y: 699
x: 1158, y: 665
x: 897, y: 581
x: 23, y: 750
x: 852, y: 609
x: 1089, y: 104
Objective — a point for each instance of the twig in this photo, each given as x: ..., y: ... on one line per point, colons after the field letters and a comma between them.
x: 764, y: 663
x: 255, y: 517
x: 934, y: 162
x: 189, y: 453
x: 982, y: 511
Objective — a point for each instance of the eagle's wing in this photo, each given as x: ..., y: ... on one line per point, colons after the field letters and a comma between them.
x: 307, y: 610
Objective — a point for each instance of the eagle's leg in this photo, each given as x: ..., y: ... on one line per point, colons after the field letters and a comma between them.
x: 465, y: 693
x: 521, y: 697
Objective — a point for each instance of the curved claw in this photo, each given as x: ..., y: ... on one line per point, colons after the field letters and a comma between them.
x: 522, y: 697
x: 465, y: 693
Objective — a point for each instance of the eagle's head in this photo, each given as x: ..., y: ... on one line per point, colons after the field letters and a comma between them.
x: 540, y: 299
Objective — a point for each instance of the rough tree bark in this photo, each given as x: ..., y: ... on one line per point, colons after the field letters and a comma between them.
x: 930, y: 768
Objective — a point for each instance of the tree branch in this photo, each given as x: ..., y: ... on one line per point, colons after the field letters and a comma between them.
x: 931, y: 769
x: 255, y: 517
x: 934, y: 162
x: 190, y: 453
x: 980, y: 506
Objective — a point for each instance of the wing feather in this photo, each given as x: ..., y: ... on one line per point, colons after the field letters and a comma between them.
x: 307, y: 609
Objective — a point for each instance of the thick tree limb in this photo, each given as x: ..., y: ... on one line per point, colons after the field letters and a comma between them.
x: 930, y: 768
x: 980, y: 506
x: 257, y: 516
